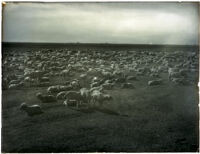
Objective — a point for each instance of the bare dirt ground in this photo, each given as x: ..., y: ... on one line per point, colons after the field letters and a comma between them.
x: 161, y: 118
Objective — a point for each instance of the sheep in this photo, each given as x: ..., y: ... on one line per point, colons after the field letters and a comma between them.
x: 61, y: 95
x: 31, y: 110
x: 94, y: 84
x: 15, y: 86
x: 73, y: 95
x: 65, y: 73
x: 58, y: 88
x: 96, y: 97
x: 65, y: 88
x: 85, y: 93
x: 131, y: 78
x: 83, y: 76
x: 108, y: 86
x: 99, y: 98
x: 46, y: 98
x: 44, y: 79
x: 181, y: 81
x: 154, y: 82
x: 70, y: 103
x: 34, y: 74
x: 99, y: 88
x: 128, y: 85
x: 173, y: 72
x: 14, y: 82
x: 75, y: 84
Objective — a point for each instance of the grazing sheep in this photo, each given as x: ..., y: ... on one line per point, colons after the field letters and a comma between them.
x: 70, y: 103
x: 31, y: 110
x: 181, y: 81
x: 14, y: 82
x: 131, y: 78
x: 108, y: 86
x: 44, y: 79
x: 173, y: 73
x: 61, y: 95
x: 100, y: 88
x: 53, y: 89
x: 154, y: 82
x: 85, y: 93
x: 15, y: 86
x: 96, y: 97
x: 128, y: 85
x: 94, y: 84
x: 65, y: 88
x: 65, y: 73
x: 83, y: 76
x: 46, y: 98
x: 58, y: 88
x: 75, y: 84
x: 99, y: 98
x: 34, y: 74
x: 73, y: 95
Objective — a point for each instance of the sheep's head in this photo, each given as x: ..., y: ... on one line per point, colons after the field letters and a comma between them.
x: 38, y: 95
x: 23, y: 106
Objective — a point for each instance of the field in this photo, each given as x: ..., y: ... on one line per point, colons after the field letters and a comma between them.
x: 160, y: 118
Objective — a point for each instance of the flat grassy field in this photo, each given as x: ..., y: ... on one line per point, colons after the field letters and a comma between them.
x: 162, y: 118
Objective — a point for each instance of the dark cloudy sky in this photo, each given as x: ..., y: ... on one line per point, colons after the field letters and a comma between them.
x: 136, y: 23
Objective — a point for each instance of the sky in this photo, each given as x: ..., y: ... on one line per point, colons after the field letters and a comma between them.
x: 129, y: 23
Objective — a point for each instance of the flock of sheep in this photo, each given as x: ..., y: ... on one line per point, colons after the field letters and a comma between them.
x: 86, y: 77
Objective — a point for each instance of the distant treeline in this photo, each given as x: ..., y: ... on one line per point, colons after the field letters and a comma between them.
x: 102, y: 46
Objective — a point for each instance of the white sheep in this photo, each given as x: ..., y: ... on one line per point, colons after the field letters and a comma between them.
x: 15, y: 86
x: 94, y: 84
x: 61, y: 95
x: 108, y: 86
x: 65, y: 73
x: 58, y: 88
x: 75, y: 84
x: 155, y: 82
x: 173, y: 73
x: 31, y: 110
x: 46, y: 98
x: 98, y: 98
x: 74, y: 95
x: 99, y: 88
x: 85, y: 93
x: 128, y: 85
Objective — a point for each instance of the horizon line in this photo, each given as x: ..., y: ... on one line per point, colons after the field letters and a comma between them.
x: 96, y: 43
